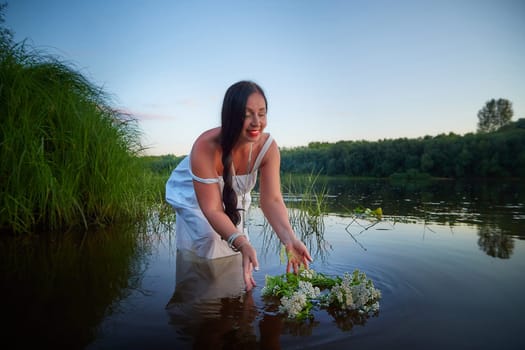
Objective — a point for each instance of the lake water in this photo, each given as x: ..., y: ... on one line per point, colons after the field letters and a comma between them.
x: 448, y: 257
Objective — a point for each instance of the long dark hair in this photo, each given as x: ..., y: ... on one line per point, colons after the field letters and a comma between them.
x: 232, y: 120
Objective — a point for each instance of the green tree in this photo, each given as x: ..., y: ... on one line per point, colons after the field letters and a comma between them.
x: 495, y: 114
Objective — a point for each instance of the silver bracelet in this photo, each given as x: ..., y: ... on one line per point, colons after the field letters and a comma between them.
x: 232, y: 239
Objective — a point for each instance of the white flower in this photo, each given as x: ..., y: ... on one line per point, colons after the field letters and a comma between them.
x: 342, y: 295
x: 376, y: 294
x: 307, y: 274
x: 308, y: 289
x: 293, y: 305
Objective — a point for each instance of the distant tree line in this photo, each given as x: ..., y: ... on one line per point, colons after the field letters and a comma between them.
x: 485, y: 154
x: 162, y: 165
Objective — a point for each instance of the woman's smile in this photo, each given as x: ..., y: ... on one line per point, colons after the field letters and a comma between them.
x: 254, y: 133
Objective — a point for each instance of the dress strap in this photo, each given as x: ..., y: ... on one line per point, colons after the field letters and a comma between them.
x: 263, y: 151
x: 200, y: 179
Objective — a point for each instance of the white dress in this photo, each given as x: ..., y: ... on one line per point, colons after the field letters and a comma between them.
x: 192, y: 229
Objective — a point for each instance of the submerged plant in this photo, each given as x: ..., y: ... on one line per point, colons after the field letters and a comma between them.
x: 300, y: 293
x: 364, y: 219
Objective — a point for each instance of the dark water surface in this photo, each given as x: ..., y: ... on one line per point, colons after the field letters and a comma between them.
x: 449, y: 259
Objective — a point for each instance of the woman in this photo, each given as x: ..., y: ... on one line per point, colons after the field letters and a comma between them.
x: 210, y: 188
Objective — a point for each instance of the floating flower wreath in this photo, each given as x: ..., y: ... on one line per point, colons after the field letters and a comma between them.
x: 300, y: 293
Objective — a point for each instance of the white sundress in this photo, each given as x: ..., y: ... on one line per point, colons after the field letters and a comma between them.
x: 192, y: 229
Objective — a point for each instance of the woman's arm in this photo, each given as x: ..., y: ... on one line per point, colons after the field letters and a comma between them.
x: 203, y: 164
x: 210, y: 201
x: 273, y: 207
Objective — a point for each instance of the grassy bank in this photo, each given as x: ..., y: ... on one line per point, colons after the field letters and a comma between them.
x: 68, y: 158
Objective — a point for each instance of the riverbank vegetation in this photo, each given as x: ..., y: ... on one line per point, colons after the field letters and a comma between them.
x: 494, y: 154
x: 68, y: 158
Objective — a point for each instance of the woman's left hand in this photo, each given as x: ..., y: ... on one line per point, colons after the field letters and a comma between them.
x: 297, y: 255
x: 249, y: 263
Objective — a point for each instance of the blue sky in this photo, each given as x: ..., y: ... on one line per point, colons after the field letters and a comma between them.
x: 332, y: 70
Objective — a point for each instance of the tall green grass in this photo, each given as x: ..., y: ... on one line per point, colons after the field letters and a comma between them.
x: 67, y: 157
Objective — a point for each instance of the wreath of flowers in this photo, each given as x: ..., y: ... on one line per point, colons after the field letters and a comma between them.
x: 300, y: 293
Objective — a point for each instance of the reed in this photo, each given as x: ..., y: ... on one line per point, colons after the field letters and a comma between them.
x: 68, y: 157
x: 306, y: 200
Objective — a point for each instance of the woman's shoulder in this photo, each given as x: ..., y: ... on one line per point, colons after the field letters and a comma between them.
x: 269, y: 151
x: 208, y: 140
x: 268, y: 138
x: 268, y: 141
x: 205, y: 154
x: 210, y: 135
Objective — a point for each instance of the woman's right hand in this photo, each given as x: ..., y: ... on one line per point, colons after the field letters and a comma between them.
x: 298, y: 256
x: 249, y: 263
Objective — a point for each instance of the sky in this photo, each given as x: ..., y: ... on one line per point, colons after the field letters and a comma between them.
x: 331, y: 70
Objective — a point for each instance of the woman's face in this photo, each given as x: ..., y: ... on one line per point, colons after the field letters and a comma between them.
x: 255, y: 118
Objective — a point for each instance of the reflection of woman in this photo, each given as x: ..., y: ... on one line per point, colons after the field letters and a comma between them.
x: 210, y: 189
x: 199, y: 279
x: 208, y: 306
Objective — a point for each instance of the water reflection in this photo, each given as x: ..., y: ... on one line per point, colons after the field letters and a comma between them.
x: 208, y: 307
x: 57, y: 288
x: 438, y: 201
x: 493, y: 242
x: 346, y: 320
x: 496, y: 208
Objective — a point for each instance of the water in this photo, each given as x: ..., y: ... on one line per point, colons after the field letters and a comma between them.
x: 448, y: 259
